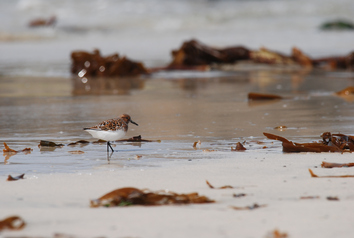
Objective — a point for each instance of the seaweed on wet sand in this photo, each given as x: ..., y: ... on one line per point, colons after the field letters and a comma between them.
x: 132, y: 196
x: 8, y: 152
x: 336, y: 165
x: 277, y: 234
x: 329, y: 176
x: 46, y: 143
x: 252, y: 207
x: 79, y: 142
x: 239, y: 147
x: 76, y: 152
x: 310, y: 197
x: 15, y: 178
x: 329, y: 143
x: 223, y: 187
x: 12, y: 223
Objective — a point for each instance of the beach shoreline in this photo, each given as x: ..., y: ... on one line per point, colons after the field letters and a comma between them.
x: 59, y: 203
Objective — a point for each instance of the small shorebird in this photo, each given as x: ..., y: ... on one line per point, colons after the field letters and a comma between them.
x: 111, y: 130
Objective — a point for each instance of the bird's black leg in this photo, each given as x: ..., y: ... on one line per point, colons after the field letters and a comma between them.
x: 109, y: 146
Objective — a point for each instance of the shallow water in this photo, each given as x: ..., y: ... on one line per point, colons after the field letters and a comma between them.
x: 208, y: 106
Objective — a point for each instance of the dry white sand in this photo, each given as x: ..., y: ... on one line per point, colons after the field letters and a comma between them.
x: 59, y: 203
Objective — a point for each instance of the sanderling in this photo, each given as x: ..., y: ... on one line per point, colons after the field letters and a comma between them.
x: 111, y: 130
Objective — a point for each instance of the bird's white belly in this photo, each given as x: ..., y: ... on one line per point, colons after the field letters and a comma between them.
x: 107, y: 135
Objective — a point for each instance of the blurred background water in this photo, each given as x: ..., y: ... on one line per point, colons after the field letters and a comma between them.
x: 147, y: 30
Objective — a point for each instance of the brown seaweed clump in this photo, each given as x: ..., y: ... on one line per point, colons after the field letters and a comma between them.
x: 133, y: 196
x: 86, y: 64
x: 194, y: 53
x: 40, y: 22
x: 330, y: 143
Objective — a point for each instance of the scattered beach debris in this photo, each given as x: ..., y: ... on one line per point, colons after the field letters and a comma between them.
x: 238, y: 195
x: 49, y: 144
x: 40, y: 22
x: 197, y: 143
x: 263, y: 96
x: 335, y: 62
x: 330, y: 143
x: 329, y: 198
x: 9, y: 151
x: 223, y: 187
x: 85, y: 64
x: 310, y: 197
x: 239, y: 147
x: 12, y: 178
x: 195, y: 53
x: 335, y: 165
x: 346, y: 92
x: 79, y: 142
x: 133, y: 196
x: 330, y: 176
x: 12, y: 223
x: 252, y: 207
x: 44, y: 143
x: 76, y: 152
x: 277, y: 234
x: 337, y: 25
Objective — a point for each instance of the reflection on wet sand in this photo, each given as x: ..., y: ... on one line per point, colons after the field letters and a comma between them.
x: 106, y: 86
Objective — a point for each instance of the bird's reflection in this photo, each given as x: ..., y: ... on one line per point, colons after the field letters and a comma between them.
x: 106, y: 86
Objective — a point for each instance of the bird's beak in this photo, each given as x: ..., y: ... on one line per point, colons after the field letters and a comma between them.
x: 134, y: 123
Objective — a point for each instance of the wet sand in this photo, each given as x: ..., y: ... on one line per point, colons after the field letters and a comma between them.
x: 54, y: 196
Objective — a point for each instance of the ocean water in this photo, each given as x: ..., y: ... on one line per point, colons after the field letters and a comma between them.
x: 147, y: 30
